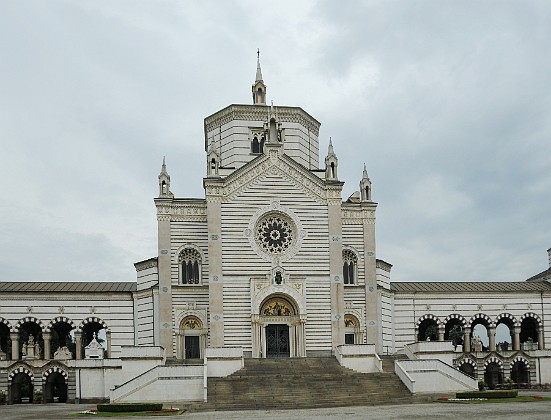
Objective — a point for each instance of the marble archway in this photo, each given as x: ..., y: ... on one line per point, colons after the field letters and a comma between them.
x: 281, y: 310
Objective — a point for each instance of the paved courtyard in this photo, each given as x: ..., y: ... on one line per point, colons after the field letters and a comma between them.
x: 526, y: 411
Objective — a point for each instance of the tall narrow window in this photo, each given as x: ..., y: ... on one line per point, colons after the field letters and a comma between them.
x: 261, y: 148
x: 190, y: 266
x: 255, y: 146
x: 350, y: 262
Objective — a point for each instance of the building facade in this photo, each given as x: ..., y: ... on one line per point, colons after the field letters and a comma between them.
x: 273, y: 262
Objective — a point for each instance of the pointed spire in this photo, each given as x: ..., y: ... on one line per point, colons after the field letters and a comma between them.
x: 258, y: 69
x: 365, y: 186
x: 259, y: 88
x: 164, y: 181
x: 331, y: 162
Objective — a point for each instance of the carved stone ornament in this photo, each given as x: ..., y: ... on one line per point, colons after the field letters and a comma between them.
x: 276, y: 233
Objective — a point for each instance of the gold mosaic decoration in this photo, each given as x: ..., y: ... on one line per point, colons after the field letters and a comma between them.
x: 277, y: 307
x: 350, y: 321
x: 191, y: 324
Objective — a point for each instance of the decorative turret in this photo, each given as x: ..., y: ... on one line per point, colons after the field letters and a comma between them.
x: 259, y: 88
x: 164, y: 182
x: 213, y: 161
x: 331, y: 163
x: 365, y: 186
x: 272, y: 128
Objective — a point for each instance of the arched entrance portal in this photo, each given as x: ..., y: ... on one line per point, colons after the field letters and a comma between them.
x: 21, y: 390
x: 493, y: 374
x: 55, y: 388
x: 192, y: 338
x: 278, y: 330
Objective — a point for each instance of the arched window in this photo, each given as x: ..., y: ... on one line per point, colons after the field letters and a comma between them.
x: 350, y: 263
x: 256, y: 145
x: 190, y: 266
x: 259, y: 95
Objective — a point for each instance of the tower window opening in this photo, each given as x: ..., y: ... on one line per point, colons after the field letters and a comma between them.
x: 255, y: 145
x: 163, y: 187
x: 350, y: 262
x: 259, y: 94
x: 367, y: 196
x: 333, y: 170
x: 190, y: 263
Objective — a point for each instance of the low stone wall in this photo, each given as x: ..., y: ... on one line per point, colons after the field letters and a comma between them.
x: 432, y: 376
x: 359, y: 357
x: 223, y: 361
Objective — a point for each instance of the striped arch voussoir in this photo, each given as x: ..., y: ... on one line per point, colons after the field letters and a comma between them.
x: 460, y: 318
x: 92, y: 319
x: 30, y: 319
x: 493, y: 359
x: 484, y: 317
x: 61, y: 319
x: 509, y: 317
x: 54, y: 369
x: 6, y: 323
x: 519, y: 359
x: 428, y: 316
x: 530, y: 315
x: 467, y: 361
x: 20, y: 369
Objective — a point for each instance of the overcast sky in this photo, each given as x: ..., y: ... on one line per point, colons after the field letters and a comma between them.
x: 448, y: 103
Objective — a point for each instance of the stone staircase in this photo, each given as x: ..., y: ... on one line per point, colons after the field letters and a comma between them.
x: 302, y: 383
x: 388, y: 361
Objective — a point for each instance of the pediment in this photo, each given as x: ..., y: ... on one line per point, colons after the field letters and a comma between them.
x: 274, y: 162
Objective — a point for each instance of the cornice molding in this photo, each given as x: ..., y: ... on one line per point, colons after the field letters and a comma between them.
x: 260, y: 113
x: 144, y: 265
x: 357, y: 215
x: 194, y: 211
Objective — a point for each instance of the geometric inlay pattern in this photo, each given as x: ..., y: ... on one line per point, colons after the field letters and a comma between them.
x: 275, y: 233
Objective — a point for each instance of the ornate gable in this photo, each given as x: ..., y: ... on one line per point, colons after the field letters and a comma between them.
x: 274, y: 162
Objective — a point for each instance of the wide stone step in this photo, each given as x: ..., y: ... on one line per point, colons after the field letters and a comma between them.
x: 301, y: 383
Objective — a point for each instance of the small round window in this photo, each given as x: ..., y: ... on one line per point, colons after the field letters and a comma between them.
x: 275, y: 233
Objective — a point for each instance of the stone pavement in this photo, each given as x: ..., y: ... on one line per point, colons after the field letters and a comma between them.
x: 526, y: 411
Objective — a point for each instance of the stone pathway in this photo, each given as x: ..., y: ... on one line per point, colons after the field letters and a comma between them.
x: 526, y: 411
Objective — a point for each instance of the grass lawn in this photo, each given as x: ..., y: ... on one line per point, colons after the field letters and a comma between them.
x: 523, y: 399
x: 130, y: 413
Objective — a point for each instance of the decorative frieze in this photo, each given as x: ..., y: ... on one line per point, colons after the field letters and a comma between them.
x: 144, y: 265
x: 260, y: 113
x: 357, y: 216
x: 176, y: 211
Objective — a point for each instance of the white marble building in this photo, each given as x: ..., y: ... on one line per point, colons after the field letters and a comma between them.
x: 272, y: 262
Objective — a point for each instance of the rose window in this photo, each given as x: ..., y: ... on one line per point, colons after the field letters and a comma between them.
x: 274, y: 233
